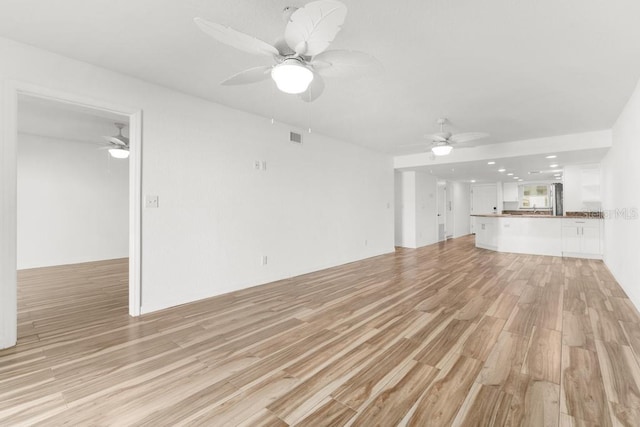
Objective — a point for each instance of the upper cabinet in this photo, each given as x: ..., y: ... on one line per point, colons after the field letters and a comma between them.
x: 510, y: 192
x: 582, y: 188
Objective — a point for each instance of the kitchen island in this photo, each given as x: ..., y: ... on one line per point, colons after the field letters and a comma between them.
x: 540, y: 235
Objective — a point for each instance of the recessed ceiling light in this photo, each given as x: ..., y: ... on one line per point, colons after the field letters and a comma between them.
x: 501, y: 170
x: 491, y: 163
x: 553, y: 166
x: 553, y: 156
x: 515, y: 177
x: 557, y: 175
x: 509, y: 174
x: 520, y: 179
x: 473, y: 180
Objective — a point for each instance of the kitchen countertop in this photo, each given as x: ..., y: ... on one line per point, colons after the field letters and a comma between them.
x: 535, y: 216
x: 519, y: 216
x: 539, y: 234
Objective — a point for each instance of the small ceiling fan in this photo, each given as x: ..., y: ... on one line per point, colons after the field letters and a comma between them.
x: 301, y: 58
x: 119, y: 144
x: 443, y: 142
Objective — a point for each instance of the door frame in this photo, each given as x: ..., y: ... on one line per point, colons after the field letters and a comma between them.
x: 9, y: 92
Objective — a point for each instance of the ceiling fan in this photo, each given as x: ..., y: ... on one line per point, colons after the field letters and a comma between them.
x: 301, y: 58
x: 443, y: 142
x: 119, y: 144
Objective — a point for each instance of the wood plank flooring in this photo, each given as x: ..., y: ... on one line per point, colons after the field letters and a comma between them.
x: 438, y: 336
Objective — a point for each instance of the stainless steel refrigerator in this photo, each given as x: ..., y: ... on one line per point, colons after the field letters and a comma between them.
x: 556, y: 199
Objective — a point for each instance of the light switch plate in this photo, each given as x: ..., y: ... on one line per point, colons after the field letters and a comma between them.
x: 151, y: 201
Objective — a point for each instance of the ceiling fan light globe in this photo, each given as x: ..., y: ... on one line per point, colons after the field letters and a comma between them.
x: 292, y: 77
x: 119, y: 153
x: 441, y: 149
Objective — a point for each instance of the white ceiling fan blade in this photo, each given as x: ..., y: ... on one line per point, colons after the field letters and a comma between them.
x: 462, y: 138
x: 234, y: 38
x: 345, y: 63
x: 252, y: 75
x: 313, y: 27
x: 315, y: 89
x: 436, y: 138
x: 118, y: 140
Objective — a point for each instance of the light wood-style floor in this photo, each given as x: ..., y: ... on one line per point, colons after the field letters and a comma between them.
x: 443, y: 335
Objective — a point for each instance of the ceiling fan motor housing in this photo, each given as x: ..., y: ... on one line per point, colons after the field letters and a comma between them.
x: 287, y: 12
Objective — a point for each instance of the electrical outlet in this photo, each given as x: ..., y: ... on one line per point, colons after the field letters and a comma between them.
x: 366, y: 242
x: 256, y: 165
x: 263, y: 260
x: 264, y: 165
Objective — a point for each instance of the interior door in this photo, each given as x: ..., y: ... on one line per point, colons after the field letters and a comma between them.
x: 442, y: 200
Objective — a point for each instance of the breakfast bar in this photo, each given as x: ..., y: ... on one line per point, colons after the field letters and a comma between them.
x: 540, y: 235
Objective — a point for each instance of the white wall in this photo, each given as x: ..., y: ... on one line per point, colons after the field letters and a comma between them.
x: 312, y: 208
x: 483, y: 198
x: 581, y: 188
x: 406, y: 219
x: 619, y: 189
x: 72, y: 203
x: 398, y: 209
x: 417, y: 222
x: 461, y: 208
x: 426, y: 209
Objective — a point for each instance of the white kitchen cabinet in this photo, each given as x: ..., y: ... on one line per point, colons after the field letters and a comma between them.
x: 591, y: 241
x: 571, y: 240
x: 581, y: 238
x: 510, y: 192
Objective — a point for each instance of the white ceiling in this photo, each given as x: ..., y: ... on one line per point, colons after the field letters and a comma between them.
x: 37, y: 116
x: 517, y: 69
x: 520, y: 166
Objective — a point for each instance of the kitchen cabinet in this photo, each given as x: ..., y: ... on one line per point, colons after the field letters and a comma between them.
x: 510, y: 192
x: 581, y: 237
x: 540, y: 235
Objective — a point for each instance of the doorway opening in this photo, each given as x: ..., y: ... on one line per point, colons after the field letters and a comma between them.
x: 67, y: 204
x: 72, y: 216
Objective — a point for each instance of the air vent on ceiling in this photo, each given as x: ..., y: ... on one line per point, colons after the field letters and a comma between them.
x: 295, y: 137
